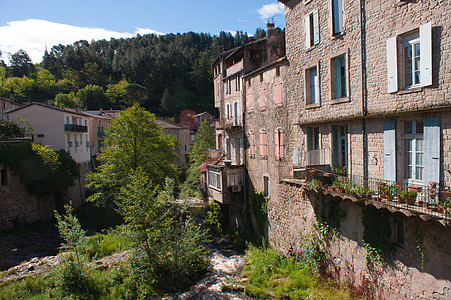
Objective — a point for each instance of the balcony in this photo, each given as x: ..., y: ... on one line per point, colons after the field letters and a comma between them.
x: 75, y: 128
x: 214, y: 156
x: 319, y: 157
x: 224, y: 184
x: 427, y: 202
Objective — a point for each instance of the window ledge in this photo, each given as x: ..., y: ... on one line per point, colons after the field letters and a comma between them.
x: 311, y: 48
x: 263, y: 109
x: 410, y: 90
x: 340, y: 100
x: 337, y: 35
x: 314, y: 105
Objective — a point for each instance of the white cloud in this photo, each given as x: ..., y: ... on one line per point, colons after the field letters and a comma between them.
x: 34, y: 35
x: 143, y: 31
x: 270, y: 10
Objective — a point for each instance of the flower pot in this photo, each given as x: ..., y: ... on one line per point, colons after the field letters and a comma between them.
x: 410, y: 201
x: 380, y: 183
x: 414, y: 188
x: 402, y: 199
x: 327, y: 174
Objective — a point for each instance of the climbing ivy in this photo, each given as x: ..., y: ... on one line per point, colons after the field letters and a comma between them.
x: 259, y: 206
x: 42, y: 170
x: 419, y: 240
x: 376, y: 236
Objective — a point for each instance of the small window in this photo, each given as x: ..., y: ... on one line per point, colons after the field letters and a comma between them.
x: 3, y: 177
x: 40, y: 135
x: 278, y: 71
x: 312, y: 86
x: 266, y: 186
x: 311, y: 29
x: 237, y: 83
x: 67, y: 120
x: 261, y: 77
x: 228, y: 111
x: 186, y: 148
x: 313, y: 138
x: 411, y: 60
x: 214, y: 179
x: 339, y: 78
x: 399, y: 232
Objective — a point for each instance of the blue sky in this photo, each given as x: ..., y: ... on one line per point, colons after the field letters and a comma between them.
x: 32, y: 25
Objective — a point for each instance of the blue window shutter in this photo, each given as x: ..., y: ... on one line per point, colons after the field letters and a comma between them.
x: 334, y: 131
x: 337, y: 62
x: 295, y: 156
x: 337, y: 17
x: 390, y: 150
x: 309, y: 139
x: 431, y: 149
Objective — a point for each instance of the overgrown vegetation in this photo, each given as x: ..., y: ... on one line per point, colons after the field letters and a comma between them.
x: 376, y: 236
x: 42, y: 170
x: 259, y: 208
x: 273, y: 276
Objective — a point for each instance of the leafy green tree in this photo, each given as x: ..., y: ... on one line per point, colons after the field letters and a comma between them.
x: 19, y: 88
x: 66, y: 100
x: 117, y: 94
x: 10, y: 130
x: 135, y: 140
x: 203, y: 140
x: 92, y: 97
x: 21, y: 64
x: 45, y: 85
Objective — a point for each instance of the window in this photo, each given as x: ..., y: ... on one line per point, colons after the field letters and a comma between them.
x: 280, y: 146
x: 399, y: 232
x: 214, y: 179
x: 278, y: 92
x: 266, y: 186
x: 250, y: 102
x: 411, y: 60
x: 414, y: 50
x: 261, y: 99
x: 311, y: 29
x: 413, y: 151
x: 237, y: 83
x: 67, y: 120
x: 339, y: 146
x: 3, y: 177
x: 75, y: 141
x: 184, y: 137
x: 263, y: 144
x: 312, y: 86
x: 69, y: 143
x: 313, y: 138
x: 228, y: 86
x: 261, y: 77
x: 228, y: 111
x: 251, y: 144
x: 186, y: 148
x: 81, y: 139
x: 337, y: 17
x: 278, y: 71
x: 338, y: 77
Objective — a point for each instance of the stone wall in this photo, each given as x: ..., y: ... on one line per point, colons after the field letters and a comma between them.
x: 18, y: 206
x: 292, y: 214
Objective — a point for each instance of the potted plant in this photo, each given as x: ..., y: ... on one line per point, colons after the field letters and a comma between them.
x: 414, y: 188
x: 408, y: 197
x: 389, y: 191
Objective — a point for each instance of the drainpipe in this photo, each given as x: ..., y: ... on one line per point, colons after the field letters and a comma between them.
x: 364, y: 89
x: 243, y: 169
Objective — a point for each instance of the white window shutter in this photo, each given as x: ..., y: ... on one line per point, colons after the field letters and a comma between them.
x: 392, y: 65
x: 307, y: 31
x: 233, y: 150
x: 315, y: 27
x: 295, y: 156
x: 431, y: 149
x: 241, y: 151
x: 426, y: 54
x: 390, y: 150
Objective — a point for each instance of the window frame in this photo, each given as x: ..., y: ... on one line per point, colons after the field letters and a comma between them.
x: 263, y: 144
x: 333, y: 17
x: 308, y: 86
x: 411, y: 40
x: 211, y: 182
x: 251, y: 139
x: 415, y: 137
x: 312, y: 36
x: 333, y: 94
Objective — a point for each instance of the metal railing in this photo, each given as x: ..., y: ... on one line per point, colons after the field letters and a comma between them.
x: 422, y: 199
x: 76, y: 128
x: 318, y: 157
x: 214, y: 156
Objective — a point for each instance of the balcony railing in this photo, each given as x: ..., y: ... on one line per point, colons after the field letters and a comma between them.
x: 318, y: 157
x: 214, y: 156
x: 75, y: 128
x: 69, y: 144
x: 395, y: 196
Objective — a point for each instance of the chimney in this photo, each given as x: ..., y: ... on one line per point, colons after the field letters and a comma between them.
x: 270, y: 31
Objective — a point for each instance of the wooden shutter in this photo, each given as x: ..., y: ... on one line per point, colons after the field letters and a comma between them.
x: 426, y: 54
x: 392, y: 65
x: 315, y: 27
x: 307, y: 31
x: 251, y: 144
x: 337, y: 64
x: 250, y: 102
x: 278, y: 92
x: 281, y: 144
x: 241, y: 151
x: 276, y: 141
x: 233, y: 150
x: 431, y: 144
x: 261, y: 99
x: 390, y: 150
x: 337, y: 10
x: 263, y: 144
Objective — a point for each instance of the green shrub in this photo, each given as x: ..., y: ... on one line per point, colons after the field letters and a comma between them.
x: 213, y: 218
x: 101, y: 245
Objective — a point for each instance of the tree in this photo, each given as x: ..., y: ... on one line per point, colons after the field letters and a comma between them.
x: 21, y: 64
x: 45, y: 85
x: 92, y: 97
x: 66, y: 100
x: 117, y: 94
x: 135, y: 141
x: 203, y: 140
x: 10, y: 130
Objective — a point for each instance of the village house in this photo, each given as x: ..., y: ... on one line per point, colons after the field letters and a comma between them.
x: 361, y: 101
x: 5, y: 106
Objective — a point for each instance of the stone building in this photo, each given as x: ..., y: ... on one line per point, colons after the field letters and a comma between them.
x: 5, y: 106
x: 360, y: 99
x: 225, y: 166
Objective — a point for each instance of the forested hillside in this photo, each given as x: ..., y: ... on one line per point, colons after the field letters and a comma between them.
x: 166, y: 73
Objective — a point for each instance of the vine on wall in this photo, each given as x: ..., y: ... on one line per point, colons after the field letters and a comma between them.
x: 259, y: 207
